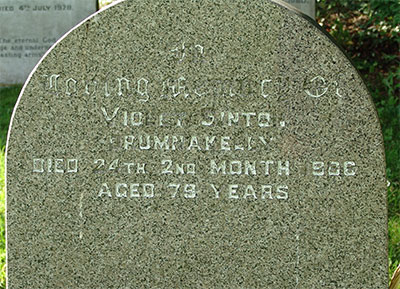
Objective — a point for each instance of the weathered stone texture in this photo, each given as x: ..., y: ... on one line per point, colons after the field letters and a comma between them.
x: 196, y: 144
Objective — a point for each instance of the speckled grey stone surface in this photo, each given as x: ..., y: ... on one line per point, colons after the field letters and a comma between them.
x: 196, y: 144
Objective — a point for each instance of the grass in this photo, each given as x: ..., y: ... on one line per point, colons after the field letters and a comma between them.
x: 8, y: 97
x: 394, y: 243
x: 103, y: 3
x: 2, y: 223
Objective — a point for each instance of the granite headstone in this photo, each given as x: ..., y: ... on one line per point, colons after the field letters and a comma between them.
x: 196, y: 144
x: 30, y: 27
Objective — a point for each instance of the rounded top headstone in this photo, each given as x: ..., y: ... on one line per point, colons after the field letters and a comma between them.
x: 196, y: 144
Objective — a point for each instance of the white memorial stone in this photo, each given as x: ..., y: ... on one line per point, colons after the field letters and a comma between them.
x: 30, y: 27
x: 305, y: 6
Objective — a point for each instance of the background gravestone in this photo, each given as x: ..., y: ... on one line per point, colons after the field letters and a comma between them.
x: 305, y: 6
x: 196, y: 144
x: 30, y: 27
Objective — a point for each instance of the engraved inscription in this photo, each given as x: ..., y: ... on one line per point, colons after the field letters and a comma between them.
x: 29, y: 47
x: 59, y: 166
x: 334, y: 168
x: 143, y: 89
x: 170, y: 167
x: 124, y: 190
x: 185, y: 50
x: 318, y: 87
x: 225, y: 131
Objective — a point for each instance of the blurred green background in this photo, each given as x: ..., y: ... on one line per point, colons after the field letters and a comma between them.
x: 369, y: 31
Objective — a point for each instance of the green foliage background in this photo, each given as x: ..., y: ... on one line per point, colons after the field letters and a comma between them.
x: 369, y: 31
